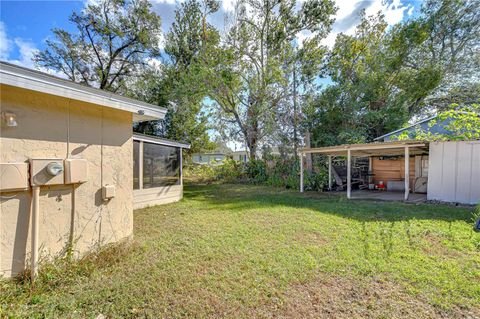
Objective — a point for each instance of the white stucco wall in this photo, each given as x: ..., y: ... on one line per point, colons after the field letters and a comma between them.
x: 454, y: 172
x: 57, y: 127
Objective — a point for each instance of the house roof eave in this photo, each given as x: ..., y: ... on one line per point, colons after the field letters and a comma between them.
x: 17, y: 76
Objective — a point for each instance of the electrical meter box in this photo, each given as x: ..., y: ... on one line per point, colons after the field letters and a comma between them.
x: 46, y: 171
x: 108, y: 192
x: 13, y: 177
x: 76, y: 171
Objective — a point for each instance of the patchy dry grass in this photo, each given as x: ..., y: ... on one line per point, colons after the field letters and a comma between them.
x: 248, y: 251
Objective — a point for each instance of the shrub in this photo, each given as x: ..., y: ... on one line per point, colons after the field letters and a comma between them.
x: 199, y: 173
x: 256, y: 171
x: 228, y: 171
x: 276, y: 171
x: 316, y: 181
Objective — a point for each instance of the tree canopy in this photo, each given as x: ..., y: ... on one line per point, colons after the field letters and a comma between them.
x: 258, y: 84
x: 115, y: 39
x: 382, y: 77
x: 252, y: 66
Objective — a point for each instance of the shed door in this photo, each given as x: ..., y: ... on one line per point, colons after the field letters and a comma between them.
x: 454, y: 172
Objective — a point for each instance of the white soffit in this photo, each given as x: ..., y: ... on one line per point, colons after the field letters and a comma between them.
x: 21, y: 77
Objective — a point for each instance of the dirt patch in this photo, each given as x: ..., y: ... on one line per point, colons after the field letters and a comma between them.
x: 310, y: 238
x: 435, y: 247
x: 336, y: 297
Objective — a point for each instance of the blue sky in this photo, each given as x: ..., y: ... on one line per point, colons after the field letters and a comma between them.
x: 24, y: 25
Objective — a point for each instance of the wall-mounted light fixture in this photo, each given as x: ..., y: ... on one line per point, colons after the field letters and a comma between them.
x: 10, y: 119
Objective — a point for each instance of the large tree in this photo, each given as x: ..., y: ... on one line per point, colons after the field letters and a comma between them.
x: 179, y: 85
x: 382, y: 77
x: 115, y: 38
x: 249, y: 74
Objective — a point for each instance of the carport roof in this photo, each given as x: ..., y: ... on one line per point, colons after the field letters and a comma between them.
x: 372, y: 149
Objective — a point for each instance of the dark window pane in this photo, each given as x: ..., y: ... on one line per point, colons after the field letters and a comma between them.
x: 161, y: 165
x: 136, y: 164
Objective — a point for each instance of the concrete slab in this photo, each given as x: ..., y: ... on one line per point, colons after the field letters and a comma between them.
x: 388, y: 196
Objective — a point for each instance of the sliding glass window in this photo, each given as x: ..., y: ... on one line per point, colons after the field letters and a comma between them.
x: 161, y: 165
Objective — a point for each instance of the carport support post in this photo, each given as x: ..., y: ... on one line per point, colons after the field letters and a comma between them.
x: 329, y: 172
x: 407, y: 172
x: 181, y: 166
x: 140, y: 165
x: 301, y: 172
x: 349, y: 174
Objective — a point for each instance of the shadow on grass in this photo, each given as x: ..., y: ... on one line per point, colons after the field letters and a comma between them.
x: 246, y: 197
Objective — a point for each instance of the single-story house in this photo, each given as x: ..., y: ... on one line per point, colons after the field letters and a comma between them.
x: 442, y: 171
x: 239, y: 156
x: 72, y: 171
x: 431, y: 124
x: 214, y: 158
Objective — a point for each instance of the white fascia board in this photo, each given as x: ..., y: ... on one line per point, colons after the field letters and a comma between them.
x: 363, y: 147
x: 37, y: 81
x: 159, y: 140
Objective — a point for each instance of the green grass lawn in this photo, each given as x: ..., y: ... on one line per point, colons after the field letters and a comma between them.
x: 249, y: 251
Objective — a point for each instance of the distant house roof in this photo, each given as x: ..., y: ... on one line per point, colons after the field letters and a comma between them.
x: 440, y: 127
x: 238, y: 152
x: 159, y: 140
x: 25, y: 78
x: 213, y: 154
x: 404, y: 129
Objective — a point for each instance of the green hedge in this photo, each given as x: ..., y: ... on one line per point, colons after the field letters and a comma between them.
x: 277, y: 172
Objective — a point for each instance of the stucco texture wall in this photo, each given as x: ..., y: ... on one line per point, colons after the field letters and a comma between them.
x: 54, y: 127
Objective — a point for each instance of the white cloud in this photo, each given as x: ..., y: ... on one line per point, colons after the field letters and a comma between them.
x: 161, y: 41
x: 228, y: 5
x: 5, y: 43
x: 347, y: 17
x: 393, y: 12
x: 154, y: 63
x: 25, y: 48
x: 167, y: 1
x: 410, y: 11
x: 303, y: 36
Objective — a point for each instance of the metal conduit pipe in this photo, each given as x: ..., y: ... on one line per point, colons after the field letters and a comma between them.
x: 35, y: 218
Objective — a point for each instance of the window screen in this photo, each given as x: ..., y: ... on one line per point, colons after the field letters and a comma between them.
x: 161, y: 165
x: 136, y: 164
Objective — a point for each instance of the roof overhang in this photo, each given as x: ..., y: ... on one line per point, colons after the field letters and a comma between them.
x: 28, y: 79
x: 159, y: 140
x: 372, y: 149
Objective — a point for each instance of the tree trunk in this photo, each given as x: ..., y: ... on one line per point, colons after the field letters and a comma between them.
x: 252, y: 149
x: 308, y: 156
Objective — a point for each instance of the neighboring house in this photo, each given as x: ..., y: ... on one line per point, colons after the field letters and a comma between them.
x: 215, y: 158
x: 72, y: 171
x: 239, y: 156
x: 436, y: 127
x: 444, y: 171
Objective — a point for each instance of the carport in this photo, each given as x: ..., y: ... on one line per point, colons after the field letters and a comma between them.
x: 406, y: 149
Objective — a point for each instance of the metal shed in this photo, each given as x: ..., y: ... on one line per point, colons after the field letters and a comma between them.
x: 454, y: 172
